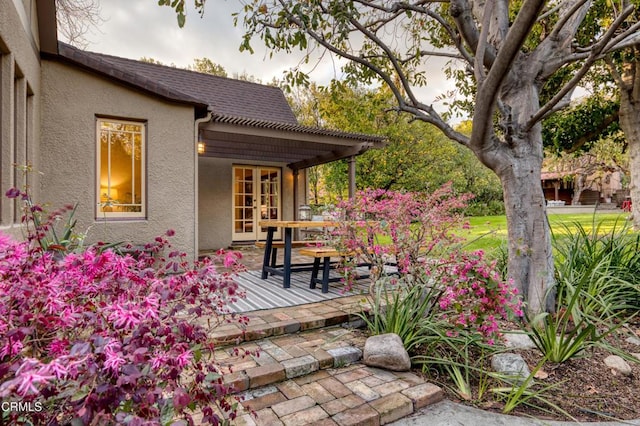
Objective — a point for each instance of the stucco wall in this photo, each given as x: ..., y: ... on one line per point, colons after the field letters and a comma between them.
x: 71, y: 100
x: 19, y: 98
x: 215, y: 202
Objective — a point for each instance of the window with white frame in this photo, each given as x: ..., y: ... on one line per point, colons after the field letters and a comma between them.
x: 120, y: 169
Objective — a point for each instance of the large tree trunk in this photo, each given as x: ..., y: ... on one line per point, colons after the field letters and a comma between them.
x: 518, y: 164
x: 530, y: 265
x: 630, y: 125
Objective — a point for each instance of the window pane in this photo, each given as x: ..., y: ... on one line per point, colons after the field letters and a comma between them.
x: 121, y: 168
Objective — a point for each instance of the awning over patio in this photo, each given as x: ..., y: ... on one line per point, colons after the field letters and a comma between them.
x: 298, y: 146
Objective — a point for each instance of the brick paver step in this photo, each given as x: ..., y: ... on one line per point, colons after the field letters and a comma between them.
x: 289, y: 320
x: 275, y: 359
x: 301, y: 365
x: 352, y: 395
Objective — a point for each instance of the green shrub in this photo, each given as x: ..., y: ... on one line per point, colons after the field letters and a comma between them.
x: 402, y: 310
x: 603, y: 266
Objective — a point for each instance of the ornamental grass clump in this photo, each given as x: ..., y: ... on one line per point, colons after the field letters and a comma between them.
x: 97, y: 337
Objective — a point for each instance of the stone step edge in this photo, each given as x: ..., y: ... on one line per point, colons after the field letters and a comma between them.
x: 267, y: 374
x: 378, y: 411
x: 235, y: 336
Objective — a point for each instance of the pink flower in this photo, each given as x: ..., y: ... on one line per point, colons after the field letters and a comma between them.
x: 125, y: 316
x: 230, y: 259
x: 59, y: 370
x: 59, y: 347
x: 113, y: 361
x: 30, y: 374
x: 13, y: 347
x: 159, y: 360
x: 183, y: 359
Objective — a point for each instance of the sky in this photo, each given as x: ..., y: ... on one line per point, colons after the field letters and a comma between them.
x: 140, y: 28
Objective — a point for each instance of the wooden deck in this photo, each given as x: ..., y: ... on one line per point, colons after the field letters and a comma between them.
x: 269, y: 294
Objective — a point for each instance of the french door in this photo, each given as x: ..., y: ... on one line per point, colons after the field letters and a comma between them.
x: 256, y: 196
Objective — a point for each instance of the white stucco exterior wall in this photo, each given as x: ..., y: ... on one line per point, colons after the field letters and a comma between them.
x: 71, y: 100
x: 19, y: 67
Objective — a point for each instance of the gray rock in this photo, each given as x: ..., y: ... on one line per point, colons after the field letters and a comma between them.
x: 518, y: 341
x: 633, y: 340
x: 511, y: 365
x: 386, y: 351
x: 618, y: 364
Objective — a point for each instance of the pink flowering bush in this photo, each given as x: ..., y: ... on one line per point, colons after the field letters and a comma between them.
x: 406, y: 227
x: 474, y: 295
x: 410, y: 240
x: 98, y: 337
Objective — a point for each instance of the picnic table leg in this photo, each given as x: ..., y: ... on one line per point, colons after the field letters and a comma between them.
x: 314, y: 272
x: 267, y: 252
x: 326, y: 268
x: 287, y: 258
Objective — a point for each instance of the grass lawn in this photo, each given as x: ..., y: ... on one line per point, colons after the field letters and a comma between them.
x: 489, y: 232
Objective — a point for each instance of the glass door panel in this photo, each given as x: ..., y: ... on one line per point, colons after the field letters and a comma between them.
x: 243, y: 204
x: 256, y: 196
x: 269, y: 196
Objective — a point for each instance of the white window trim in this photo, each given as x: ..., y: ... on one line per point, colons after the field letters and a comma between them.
x: 142, y: 214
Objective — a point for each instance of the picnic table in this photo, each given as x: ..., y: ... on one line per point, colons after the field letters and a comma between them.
x: 285, y: 270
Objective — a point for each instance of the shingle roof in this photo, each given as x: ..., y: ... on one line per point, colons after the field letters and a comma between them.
x: 234, y: 102
x: 223, y: 96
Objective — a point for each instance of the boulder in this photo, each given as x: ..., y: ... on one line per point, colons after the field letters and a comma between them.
x: 518, y: 341
x: 386, y: 351
x: 618, y: 365
x: 511, y: 365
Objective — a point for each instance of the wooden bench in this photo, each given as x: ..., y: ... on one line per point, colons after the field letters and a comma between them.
x: 271, y: 267
x: 324, y: 253
x: 294, y: 244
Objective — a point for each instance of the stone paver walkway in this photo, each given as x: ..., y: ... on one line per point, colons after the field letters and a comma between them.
x: 307, y: 369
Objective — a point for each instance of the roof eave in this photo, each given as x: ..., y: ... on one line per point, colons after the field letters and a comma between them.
x: 76, y: 57
x: 289, y: 131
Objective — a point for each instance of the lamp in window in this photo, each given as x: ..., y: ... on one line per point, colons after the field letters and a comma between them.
x: 108, y: 195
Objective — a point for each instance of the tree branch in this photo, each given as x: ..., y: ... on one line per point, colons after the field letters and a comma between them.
x: 560, y: 25
x: 422, y: 111
x: 614, y: 71
x: 593, y: 57
x: 487, y: 93
x: 478, y: 65
x: 432, y: 53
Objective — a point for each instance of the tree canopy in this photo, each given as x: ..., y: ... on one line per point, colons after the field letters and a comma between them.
x: 521, y: 59
x: 417, y: 157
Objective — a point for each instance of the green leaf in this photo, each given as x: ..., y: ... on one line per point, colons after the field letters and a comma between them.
x: 167, y: 412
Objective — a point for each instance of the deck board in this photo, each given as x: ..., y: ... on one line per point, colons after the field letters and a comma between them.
x: 269, y: 293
